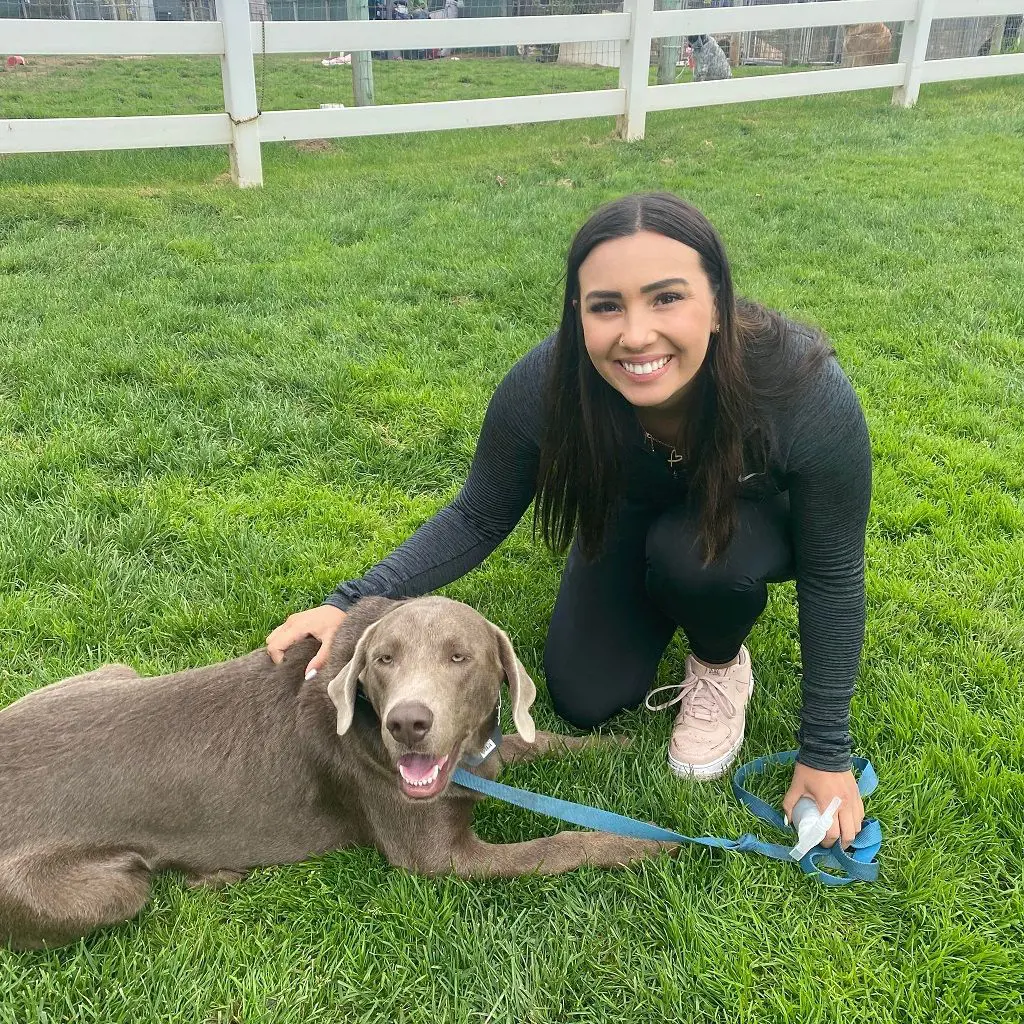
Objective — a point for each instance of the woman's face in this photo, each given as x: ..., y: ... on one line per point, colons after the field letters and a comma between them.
x: 648, y: 312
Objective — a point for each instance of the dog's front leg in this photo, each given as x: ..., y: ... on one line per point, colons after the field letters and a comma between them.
x: 552, y: 855
x: 515, y: 748
x: 214, y: 879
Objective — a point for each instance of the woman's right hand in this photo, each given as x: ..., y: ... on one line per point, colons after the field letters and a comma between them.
x: 322, y: 622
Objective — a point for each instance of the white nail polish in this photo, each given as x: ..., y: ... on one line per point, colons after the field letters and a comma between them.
x: 311, y: 674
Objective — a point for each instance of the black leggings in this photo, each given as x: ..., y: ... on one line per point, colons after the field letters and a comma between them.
x: 615, y: 616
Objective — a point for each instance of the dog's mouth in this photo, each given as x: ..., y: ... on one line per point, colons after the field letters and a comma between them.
x: 422, y: 775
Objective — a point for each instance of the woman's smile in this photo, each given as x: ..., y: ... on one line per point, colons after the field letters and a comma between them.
x: 645, y: 370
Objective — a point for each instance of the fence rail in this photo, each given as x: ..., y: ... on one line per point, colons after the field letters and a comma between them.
x: 235, y: 39
x: 724, y: 20
x: 301, y: 37
x: 113, y: 38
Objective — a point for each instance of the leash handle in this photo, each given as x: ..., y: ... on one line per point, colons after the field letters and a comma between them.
x: 858, y: 865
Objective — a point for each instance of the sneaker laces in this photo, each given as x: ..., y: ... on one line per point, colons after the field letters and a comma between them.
x: 701, y: 696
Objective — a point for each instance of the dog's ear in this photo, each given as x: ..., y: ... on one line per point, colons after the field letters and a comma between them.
x: 521, y: 687
x: 342, y: 688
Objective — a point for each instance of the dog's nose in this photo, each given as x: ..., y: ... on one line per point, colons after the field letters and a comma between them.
x: 410, y: 722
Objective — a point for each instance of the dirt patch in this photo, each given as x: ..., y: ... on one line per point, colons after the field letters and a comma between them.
x: 314, y: 145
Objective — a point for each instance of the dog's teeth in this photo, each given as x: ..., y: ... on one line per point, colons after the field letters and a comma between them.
x: 427, y: 780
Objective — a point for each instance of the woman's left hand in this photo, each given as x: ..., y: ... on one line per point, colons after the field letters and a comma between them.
x: 821, y: 787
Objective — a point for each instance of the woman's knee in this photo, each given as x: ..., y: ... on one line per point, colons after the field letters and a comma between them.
x: 583, y: 695
x: 581, y: 715
x: 676, y: 566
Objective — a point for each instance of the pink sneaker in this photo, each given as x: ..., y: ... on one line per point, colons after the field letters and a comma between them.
x: 708, y: 729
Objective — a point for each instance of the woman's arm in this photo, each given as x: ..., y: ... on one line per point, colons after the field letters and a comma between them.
x: 829, y: 469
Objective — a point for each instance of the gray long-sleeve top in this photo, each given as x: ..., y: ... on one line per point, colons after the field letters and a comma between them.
x: 821, y: 456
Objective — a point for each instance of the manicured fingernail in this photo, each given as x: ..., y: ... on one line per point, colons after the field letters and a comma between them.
x: 785, y: 820
x: 311, y: 674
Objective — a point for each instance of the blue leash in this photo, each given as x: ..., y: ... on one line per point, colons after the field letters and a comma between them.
x: 858, y: 863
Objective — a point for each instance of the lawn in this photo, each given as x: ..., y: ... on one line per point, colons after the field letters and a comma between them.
x: 215, y: 404
x: 105, y: 86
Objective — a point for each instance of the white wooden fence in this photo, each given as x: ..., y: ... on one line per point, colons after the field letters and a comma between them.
x: 243, y: 129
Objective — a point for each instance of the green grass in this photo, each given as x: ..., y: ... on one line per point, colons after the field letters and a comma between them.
x: 215, y: 404
x: 98, y: 87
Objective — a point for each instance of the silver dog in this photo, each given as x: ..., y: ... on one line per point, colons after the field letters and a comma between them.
x: 107, y: 778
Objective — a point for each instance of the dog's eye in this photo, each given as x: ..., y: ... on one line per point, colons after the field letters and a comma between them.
x: 458, y: 657
x: 385, y: 659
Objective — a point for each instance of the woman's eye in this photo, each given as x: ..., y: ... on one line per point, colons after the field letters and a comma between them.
x: 602, y: 307
x: 458, y: 657
x: 666, y: 298
x: 385, y: 659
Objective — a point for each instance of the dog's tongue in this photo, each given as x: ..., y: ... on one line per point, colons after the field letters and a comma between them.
x: 417, y: 766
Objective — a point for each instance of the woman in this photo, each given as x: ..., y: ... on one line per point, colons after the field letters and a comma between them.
x: 687, y: 449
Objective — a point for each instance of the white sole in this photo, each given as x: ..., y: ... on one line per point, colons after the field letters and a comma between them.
x: 713, y: 769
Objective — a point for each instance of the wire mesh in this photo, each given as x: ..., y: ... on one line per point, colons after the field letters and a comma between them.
x: 110, y: 10
x: 974, y: 37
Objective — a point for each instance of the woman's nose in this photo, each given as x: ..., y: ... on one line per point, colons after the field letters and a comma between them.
x: 638, y: 333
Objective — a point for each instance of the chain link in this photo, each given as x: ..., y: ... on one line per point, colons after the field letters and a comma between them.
x: 263, y: 80
x: 263, y: 65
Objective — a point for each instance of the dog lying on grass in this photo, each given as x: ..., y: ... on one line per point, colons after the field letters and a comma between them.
x: 107, y: 778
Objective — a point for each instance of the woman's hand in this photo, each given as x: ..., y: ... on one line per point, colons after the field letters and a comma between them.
x: 322, y: 622
x: 821, y: 787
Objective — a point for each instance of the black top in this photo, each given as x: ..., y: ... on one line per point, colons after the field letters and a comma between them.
x: 820, y: 455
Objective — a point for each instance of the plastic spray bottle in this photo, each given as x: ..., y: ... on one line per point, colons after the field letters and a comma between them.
x: 811, y: 827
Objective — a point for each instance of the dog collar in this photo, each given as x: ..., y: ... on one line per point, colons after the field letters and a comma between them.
x: 492, y: 744
x: 493, y: 741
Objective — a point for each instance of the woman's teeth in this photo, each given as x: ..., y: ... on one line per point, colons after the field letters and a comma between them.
x: 641, y: 369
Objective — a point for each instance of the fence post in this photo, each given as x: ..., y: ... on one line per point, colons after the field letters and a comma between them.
x: 362, y: 60
x: 734, y: 42
x: 668, y: 54
x: 913, y: 48
x: 239, y: 77
x: 997, y: 35
x: 635, y: 69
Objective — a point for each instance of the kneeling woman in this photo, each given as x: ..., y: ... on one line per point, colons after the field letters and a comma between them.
x: 687, y: 449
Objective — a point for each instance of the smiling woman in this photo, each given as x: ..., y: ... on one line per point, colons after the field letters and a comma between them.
x: 687, y: 449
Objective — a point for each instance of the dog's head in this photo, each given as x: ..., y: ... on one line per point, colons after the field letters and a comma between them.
x: 432, y: 669
x: 698, y: 43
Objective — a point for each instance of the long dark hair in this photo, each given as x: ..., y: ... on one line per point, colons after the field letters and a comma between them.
x: 589, y: 425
